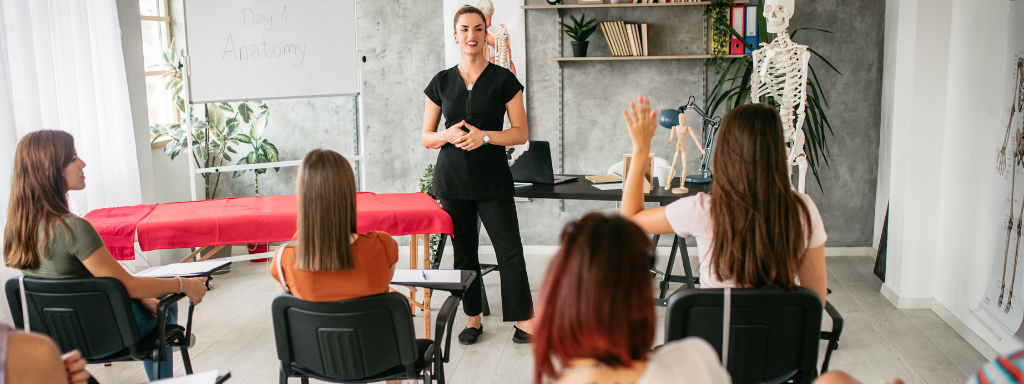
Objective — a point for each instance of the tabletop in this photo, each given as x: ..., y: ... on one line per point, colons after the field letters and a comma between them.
x: 583, y: 189
x: 454, y: 288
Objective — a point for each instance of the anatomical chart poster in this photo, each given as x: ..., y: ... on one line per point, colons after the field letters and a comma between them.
x: 1002, y: 308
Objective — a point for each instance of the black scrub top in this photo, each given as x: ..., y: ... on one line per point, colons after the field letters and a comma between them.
x: 482, y: 173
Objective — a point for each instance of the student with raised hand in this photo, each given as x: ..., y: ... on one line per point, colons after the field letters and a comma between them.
x: 330, y: 261
x: 754, y: 230
x: 595, y: 319
x: 45, y: 240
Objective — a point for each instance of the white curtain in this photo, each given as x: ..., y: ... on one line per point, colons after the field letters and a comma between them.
x: 62, y: 68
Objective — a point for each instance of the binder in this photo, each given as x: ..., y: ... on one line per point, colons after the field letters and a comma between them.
x: 751, y: 28
x: 736, y: 18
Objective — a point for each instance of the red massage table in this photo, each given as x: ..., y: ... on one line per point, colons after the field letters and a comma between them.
x: 246, y: 220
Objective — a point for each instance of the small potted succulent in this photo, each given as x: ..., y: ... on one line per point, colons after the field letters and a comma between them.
x: 579, y: 31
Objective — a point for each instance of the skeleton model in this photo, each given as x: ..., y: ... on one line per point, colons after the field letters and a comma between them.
x: 679, y: 134
x: 782, y: 74
x: 1018, y: 160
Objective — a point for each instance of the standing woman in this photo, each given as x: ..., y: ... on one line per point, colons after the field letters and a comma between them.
x: 472, y: 176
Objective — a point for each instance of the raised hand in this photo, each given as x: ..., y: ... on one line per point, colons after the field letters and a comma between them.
x: 641, y: 123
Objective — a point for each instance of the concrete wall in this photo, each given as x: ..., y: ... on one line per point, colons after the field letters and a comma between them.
x: 402, y: 42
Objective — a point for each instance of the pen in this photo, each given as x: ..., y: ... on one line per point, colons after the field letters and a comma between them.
x: 424, y: 273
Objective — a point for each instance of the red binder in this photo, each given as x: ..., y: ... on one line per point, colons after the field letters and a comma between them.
x: 737, y: 18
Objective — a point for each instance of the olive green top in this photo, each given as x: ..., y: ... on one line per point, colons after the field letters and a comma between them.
x: 67, y: 250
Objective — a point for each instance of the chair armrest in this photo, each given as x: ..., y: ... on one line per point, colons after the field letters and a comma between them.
x: 161, y: 320
x: 430, y: 361
x: 833, y: 335
x: 444, y: 324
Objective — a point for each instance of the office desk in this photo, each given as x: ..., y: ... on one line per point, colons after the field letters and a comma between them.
x: 583, y: 189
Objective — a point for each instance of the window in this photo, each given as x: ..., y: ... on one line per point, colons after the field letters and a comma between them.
x: 156, y: 38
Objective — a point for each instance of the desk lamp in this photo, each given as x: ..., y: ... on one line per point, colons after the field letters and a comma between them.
x: 669, y: 118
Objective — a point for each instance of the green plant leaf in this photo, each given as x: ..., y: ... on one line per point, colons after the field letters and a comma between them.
x: 242, y: 138
x: 271, y: 151
x: 215, y: 117
x: 245, y: 112
x: 226, y: 107
x: 825, y: 60
x: 241, y: 161
x: 793, y: 32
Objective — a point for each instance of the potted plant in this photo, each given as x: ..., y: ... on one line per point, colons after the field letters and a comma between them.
x: 579, y: 31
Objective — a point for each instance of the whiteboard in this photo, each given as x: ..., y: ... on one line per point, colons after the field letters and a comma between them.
x: 270, y: 49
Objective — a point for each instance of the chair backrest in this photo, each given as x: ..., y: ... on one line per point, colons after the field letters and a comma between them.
x: 92, y: 315
x: 774, y: 332
x: 347, y: 339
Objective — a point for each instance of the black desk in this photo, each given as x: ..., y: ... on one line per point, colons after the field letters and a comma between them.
x: 456, y: 289
x: 583, y: 189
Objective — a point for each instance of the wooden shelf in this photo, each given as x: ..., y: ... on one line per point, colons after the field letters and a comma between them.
x: 620, y: 58
x: 621, y: 5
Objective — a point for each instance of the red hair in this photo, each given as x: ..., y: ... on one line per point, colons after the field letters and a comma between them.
x: 597, y: 301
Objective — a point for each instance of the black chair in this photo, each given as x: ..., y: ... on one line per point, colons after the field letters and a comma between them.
x: 365, y: 339
x: 93, y: 315
x: 774, y: 332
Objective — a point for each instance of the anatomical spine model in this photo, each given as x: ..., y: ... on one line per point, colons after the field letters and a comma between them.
x: 1018, y: 160
x: 679, y: 134
x: 781, y: 72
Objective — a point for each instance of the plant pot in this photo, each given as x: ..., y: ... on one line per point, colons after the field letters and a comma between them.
x: 554, y: 2
x: 579, y: 48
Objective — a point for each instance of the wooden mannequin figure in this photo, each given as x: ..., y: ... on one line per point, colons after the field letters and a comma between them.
x: 679, y: 135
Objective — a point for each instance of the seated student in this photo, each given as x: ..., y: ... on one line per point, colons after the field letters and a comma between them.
x: 754, y: 230
x: 45, y: 240
x: 330, y: 261
x: 596, y: 314
x: 34, y: 358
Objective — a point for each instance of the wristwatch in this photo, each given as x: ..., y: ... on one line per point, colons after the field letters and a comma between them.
x: 487, y: 139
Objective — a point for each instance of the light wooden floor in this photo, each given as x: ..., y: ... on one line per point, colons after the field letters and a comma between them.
x: 234, y: 333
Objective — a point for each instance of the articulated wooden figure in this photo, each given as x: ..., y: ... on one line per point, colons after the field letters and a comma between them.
x: 678, y: 134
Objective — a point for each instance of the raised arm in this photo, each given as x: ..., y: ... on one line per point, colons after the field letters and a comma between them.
x: 102, y: 264
x: 641, y: 130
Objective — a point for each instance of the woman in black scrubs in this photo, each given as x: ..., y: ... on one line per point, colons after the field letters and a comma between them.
x: 472, y: 176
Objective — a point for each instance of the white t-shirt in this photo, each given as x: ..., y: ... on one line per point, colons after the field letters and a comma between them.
x: 690, y: 360
x: 691, y: 216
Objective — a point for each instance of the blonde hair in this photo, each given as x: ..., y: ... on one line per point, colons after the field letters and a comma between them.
x: 326, y: 190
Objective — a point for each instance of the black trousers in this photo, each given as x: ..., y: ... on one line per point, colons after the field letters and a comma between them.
x: 502, y: 223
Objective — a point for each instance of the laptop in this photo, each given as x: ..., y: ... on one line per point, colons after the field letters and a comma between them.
x: 534, y: 166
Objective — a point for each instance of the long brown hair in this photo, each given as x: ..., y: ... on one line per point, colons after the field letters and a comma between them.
x: 38, y: 196
x: 326, y: 192
x: 760, y: 223
x: 602, y: 270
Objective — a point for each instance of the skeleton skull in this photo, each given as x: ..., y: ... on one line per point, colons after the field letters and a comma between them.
x: 777, y: 13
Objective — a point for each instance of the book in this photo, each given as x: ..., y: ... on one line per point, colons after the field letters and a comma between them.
x: 639, y: 42
x: 643, y: 37
x: 606, y: 39
x: 631, y: 34
x: 624, y: 38
x: 602, y: 179
x: 737, y: 19
x: 617, y: 38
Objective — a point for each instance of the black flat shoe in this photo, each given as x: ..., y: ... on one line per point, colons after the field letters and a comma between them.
x: 520, y: 337
x: 468, y: 336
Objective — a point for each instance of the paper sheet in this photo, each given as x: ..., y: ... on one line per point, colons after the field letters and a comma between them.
x: 183, y: 269
x: 608, y: 187
x: 208, y: 377
x: 453, y: 276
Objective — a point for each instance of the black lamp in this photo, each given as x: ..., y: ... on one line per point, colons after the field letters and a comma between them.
x: 670, y: 118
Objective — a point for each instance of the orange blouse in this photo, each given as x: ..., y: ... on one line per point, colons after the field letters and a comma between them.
x: 374, y: 254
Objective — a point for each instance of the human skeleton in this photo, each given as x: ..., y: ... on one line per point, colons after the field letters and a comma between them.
x: 782, y: 74
x: 1018, y: 160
